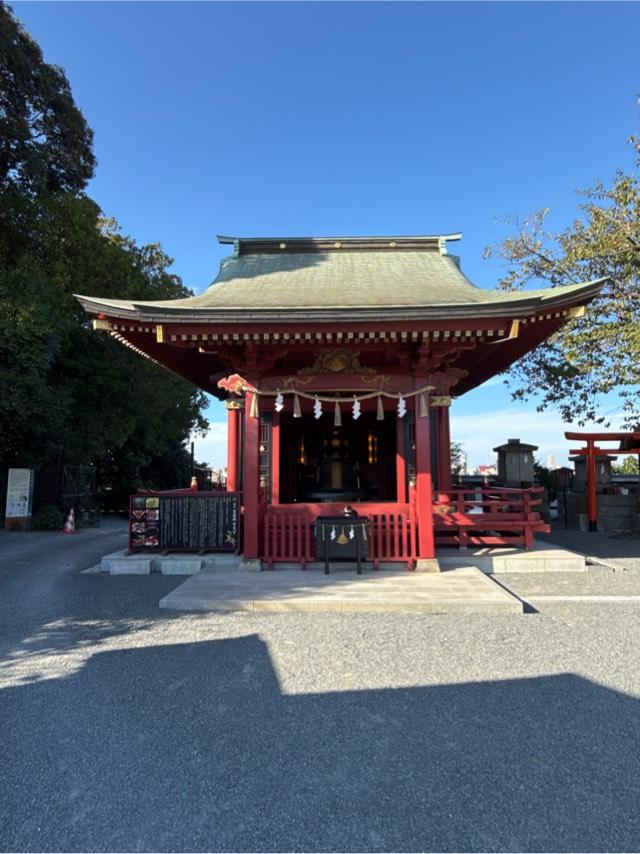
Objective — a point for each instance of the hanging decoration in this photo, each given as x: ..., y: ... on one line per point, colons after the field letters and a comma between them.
x: 423, y: 409
x: 236, y: 385
x: 253, y: 409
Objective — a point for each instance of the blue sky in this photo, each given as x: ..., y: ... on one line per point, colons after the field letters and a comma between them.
x: 349, y: 118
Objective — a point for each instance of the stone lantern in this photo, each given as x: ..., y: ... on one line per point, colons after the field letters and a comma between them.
x: 604, y: 472
x: 515, y: 463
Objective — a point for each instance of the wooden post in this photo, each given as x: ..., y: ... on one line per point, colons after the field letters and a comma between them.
x: 424, y: 491
x: 233, y: 433
x: 250, y: 482
x: 275, y: 459
x: 444, y: 449
x: 401, y: 464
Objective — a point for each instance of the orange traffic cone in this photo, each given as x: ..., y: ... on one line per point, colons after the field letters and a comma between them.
x: 70, y: 524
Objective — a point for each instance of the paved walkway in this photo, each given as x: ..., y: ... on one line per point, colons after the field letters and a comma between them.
x: 130, y: 728
x: 619, y: 551
x: 459, y: 591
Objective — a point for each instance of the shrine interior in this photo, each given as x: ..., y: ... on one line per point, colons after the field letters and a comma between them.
x: 352, y: 462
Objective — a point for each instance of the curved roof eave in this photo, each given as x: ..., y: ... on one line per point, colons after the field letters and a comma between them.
x: 182, y: 310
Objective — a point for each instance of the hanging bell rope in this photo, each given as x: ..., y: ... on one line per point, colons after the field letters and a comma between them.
x: 337, y: 416
x: 423, y: 409
x: 380, y: 410
x: 297, y: 412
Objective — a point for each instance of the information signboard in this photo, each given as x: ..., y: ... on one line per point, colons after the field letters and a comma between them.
x: 19, y: 498
x: 192, y: 522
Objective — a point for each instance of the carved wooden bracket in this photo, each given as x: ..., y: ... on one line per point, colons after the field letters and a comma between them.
x: 336, y: 362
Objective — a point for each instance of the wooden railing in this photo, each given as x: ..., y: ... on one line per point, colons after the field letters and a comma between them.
x: 461, y: 517
x: 289, y: 532
x: 488, y: 516
x: 288, y: 538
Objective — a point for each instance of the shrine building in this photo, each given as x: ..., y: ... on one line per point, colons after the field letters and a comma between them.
x: 338, y: 359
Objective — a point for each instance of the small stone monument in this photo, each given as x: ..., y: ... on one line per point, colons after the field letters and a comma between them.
x: 515, y: 463
x: 604, y: 472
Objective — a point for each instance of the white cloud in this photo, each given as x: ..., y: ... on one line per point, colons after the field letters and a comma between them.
x: 493, y: 382
x: 212, y: 448
x: 480, y: 433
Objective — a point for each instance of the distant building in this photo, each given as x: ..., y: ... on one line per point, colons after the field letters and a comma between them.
x: 484, y: 471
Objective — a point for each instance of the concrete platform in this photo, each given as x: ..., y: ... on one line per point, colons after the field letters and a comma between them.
x: 543, y: 557
x: 121, y: 563
x: 465, y: 590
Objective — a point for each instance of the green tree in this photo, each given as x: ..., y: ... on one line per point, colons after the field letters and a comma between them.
x: 457, y: 458
x: 45, y: 142
x: 598, y: 353
x: 66, y: 393
x: 629, y: 465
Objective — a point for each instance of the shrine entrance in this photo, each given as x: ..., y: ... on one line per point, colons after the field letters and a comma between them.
x: 352, y: 462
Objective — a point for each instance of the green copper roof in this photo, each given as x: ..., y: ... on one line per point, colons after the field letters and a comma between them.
x: 295, y: 278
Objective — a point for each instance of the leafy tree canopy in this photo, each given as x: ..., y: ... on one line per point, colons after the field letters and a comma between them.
x: 68, y: 394
x: 629, y: 465
x: 599, y: 353
x: 458, y: 457
x: 45, y: 142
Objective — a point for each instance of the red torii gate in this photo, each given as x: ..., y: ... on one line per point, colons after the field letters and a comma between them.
x: 629, y: 444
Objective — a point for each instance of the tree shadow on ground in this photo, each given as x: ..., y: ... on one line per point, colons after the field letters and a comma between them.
x: 194, y: 747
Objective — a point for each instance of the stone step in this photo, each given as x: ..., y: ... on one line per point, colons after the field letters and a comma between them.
x: 544, y: 557
x: 121, y: 563
x: 461, y: 591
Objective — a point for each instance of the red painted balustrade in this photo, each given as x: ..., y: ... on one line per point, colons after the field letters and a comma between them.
x: 493, y: 516
x: 461, y: 517
x: 289, y: 532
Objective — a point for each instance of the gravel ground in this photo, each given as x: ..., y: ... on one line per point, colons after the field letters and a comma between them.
x: 130, y: 729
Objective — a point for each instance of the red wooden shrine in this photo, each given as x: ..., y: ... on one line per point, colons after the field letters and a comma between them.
x: 350, y: 351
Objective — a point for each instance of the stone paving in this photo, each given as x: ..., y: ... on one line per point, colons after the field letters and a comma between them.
x: 618, y: 551
x: 461, y: 591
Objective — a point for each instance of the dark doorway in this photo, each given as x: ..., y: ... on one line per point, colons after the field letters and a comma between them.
x: 352, y: 462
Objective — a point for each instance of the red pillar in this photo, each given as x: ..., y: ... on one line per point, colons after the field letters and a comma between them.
x: 250, y: 484
x: 401, y: 465
x: 424, y: 491
x: 444, y: 448
x: 275, y: 459
x: 233, y: 434
x: 592, y: 498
